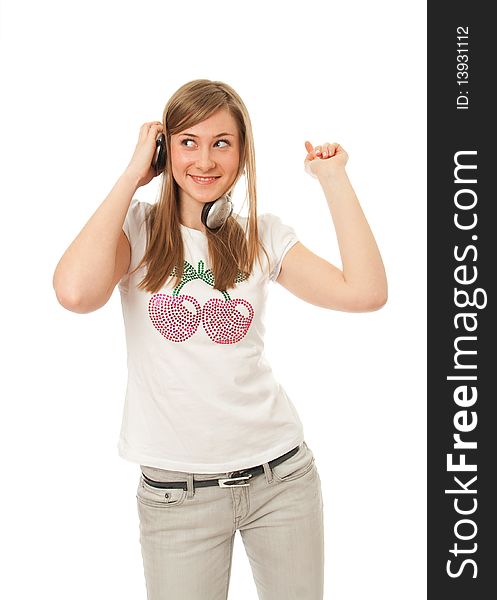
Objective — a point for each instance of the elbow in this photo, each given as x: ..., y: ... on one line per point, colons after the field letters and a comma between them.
x: 375, y: 301
x: 70, y: 296
x: 357, y: 301
x: 65, y: 294
x: 78, y: 303
x: 377, y: 304
x: 370, y: 302
x: 377, y: 296
x: 67, y: 297
x: 68, y: 300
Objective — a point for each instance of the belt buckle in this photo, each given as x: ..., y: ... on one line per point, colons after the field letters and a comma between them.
x: 235, y: 481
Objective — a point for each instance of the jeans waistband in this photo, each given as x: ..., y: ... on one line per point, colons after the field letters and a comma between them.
x: 235, y: 479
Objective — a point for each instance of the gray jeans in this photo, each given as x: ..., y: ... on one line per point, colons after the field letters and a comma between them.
x: 187, y: 535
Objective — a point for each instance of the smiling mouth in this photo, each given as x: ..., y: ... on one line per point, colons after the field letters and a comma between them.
x: 204, y: 180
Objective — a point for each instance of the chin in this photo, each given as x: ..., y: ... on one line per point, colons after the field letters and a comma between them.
x: 207, y: 196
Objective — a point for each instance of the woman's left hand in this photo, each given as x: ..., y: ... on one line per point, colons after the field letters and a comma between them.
x: 325, y: 159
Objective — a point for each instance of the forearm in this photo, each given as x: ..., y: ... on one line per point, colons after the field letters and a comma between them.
x: 362, y: 265
x: 86, y: 269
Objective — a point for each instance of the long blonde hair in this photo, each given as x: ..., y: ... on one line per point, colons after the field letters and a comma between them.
x: 232, y: 252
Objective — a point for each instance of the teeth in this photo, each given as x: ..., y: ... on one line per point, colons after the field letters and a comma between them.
x: 204, y: 178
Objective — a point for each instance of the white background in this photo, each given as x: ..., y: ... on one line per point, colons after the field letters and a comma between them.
x: 79, y: 80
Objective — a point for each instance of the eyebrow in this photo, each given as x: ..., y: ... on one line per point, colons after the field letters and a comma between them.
x: 218, y: 135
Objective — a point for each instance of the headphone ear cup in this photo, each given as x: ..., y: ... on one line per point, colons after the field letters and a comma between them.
x: 159, y: 159
x: 216, y: 213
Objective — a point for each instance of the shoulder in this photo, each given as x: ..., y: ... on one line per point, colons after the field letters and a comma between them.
x: 277, y: 238
x: 273, y: 228
x: 138, y: 211
x: 267, y: 224
x: 135, y: 219
x: 139, y: 208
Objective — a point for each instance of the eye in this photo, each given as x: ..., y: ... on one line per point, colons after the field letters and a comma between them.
x: 183, y: 142
x: 187, y: 140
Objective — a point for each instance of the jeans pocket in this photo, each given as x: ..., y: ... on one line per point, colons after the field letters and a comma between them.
x: 296, y: 466
x: 157, y: 497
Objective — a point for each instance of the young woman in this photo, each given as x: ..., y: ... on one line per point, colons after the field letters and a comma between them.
x: 219, y: 443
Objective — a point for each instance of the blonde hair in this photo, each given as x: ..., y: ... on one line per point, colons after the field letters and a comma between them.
x: 231, y: 253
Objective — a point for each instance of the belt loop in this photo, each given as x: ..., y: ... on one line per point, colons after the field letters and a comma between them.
x: 268, y: 473
x: 190, y: 491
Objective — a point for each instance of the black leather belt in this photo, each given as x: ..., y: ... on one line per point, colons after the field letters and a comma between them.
x: 236, y: 478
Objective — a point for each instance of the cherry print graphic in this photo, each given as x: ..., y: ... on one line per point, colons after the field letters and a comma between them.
x: 221, y: 319
x: 223, y: 322
x: 172, y: 318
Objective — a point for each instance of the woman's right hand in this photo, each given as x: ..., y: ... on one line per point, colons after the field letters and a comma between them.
x: 140, y: 165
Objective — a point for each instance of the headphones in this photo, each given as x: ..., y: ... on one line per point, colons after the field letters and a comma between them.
x: 215, y: 213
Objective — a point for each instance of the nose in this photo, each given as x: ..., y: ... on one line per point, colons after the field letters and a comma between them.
x: 204, y: 159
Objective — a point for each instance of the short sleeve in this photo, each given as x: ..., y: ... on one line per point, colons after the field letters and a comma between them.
x: 133, y: 221
x: 134, y: 229
x: 278, y: 238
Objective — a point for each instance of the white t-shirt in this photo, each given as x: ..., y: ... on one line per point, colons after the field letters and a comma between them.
x: 201, y: 396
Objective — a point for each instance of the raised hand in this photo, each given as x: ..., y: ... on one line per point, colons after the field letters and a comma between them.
x: 325, y: 159
x: 140, y: 165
